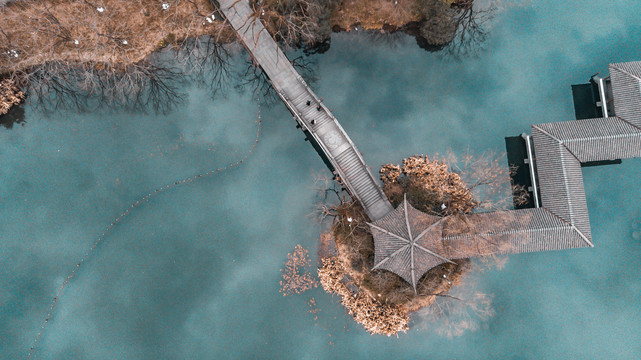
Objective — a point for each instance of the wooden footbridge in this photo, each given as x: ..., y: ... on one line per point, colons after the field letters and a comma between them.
x: 308, y: 110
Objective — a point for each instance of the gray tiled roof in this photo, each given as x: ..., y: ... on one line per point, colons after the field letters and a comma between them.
x: 411, y: 254
x: 561, y: 148
x: 560, y: 181
x: 408, y: 242
x: 596, y: 139
x: 626, y: 91
x: 509, y: 232
x: 561, y: 223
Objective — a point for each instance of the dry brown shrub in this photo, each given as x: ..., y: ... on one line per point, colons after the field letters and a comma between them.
x: 374, y: 14
x: 125, y: 32
x: 10, y: 95
x: 430, y: 186
x: 390, y: 173
x: 296, y: 23
x: 376, y: 317
x: 313, y: 308
x: 296, y: 277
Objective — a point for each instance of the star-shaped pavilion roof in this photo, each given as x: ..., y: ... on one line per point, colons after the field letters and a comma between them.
x: 408, y: 242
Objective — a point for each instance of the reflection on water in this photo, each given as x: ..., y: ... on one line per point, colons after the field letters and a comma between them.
x: 15, y: 116
x: 636, y: 227
x: 123, y: 215
x: 195, y: 272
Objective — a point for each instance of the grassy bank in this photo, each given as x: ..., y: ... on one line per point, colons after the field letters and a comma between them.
x: 112, y: 32
x: 122, y: 32
x: 78, y: 49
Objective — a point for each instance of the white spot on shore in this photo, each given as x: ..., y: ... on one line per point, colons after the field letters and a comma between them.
x: 165, y: 6
x: 124, y: 42
x: 76, y: 42
x: 100, y: 9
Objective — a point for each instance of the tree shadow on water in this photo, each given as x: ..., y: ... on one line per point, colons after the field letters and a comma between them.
x: 15, y: 116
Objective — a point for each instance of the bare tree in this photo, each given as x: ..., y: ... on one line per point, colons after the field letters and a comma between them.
x: 296, y: 23
x: 452, y: 316
x: 87, y: 54
x: 488, y: 179
x: 439, y: 24
x: 139, y: 86
x: 256, y: 79
x: 471, y: 31
x: 206, y: 61
x: 331, y: 199
x: 459, y: 28
x: 296, y: 277
x: 306, y: 67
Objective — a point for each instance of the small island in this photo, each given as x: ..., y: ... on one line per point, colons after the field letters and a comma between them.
x: 379, y: 299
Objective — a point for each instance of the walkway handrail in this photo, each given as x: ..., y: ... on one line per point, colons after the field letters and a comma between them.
x: 349, y: 140
x: 530, y: 162
x: 323, y: 127
x: 320, y: 143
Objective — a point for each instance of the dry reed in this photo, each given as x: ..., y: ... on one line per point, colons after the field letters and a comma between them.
x: 296, y: 278
x: 376, y: 317
x: 10, y: 95
x: 114, y: 32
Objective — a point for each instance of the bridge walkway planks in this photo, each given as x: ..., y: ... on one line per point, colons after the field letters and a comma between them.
x: 321, y: 124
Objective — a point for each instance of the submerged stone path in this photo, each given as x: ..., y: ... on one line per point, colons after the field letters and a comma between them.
x: 142, y: 200
x: 308, y: 109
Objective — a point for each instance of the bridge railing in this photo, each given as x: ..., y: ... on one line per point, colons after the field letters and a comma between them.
x: 337, y: 168
x: 287, y: 66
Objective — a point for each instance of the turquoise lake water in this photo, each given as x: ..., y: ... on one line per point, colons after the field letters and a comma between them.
x: 194, y: 272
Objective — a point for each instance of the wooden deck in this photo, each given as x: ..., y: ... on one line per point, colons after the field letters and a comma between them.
x: 295, y: 93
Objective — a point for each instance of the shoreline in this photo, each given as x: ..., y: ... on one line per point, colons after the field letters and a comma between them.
x: 77, y: 35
